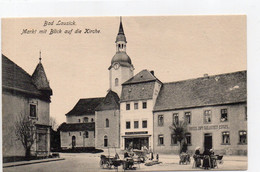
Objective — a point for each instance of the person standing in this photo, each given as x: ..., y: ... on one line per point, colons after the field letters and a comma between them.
x: 197, y: 157
x: 206, y: 159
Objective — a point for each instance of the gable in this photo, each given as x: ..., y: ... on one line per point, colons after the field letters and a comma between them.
x: 143, y: 76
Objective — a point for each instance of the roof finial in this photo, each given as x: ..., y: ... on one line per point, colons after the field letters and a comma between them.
x: 121, y: 30
x: 40, y: 58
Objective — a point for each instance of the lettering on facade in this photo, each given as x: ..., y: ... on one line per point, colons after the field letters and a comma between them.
x: 137, y: 132
x: 208, y: 127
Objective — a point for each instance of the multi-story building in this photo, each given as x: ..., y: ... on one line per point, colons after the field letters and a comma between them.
x: 28, y: 95
x: 214, y: 108
x: 138, y: 110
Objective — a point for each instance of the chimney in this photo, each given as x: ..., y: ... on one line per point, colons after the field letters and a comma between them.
x: 152, y: 72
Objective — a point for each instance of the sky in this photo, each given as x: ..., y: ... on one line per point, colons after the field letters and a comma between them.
x: 175, y: 47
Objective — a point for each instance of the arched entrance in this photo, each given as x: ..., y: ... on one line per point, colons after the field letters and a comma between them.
x: 73, y: 143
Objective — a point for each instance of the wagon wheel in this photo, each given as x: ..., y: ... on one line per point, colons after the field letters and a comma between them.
x: 101, y: 163
x: 124, y: 165
x: 109, y: 164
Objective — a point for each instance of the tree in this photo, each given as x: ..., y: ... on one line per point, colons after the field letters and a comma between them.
x: 179, y: 130
x: 25, y: 131
x: 53, y: 123
x: 54, y: 135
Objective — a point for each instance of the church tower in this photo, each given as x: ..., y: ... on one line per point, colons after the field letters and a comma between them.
x: 121, y: 68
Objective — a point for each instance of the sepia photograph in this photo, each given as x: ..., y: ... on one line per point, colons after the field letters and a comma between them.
x: 124, y: 93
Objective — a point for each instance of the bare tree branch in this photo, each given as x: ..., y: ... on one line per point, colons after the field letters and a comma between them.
x: 25, y: 131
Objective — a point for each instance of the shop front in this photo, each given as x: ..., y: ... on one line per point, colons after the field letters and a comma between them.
x: 136, y: 140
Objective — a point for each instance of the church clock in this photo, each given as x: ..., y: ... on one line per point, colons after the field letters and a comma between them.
x: 116, y: 66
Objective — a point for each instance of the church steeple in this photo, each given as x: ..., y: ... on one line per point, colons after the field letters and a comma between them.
x: 121, y: 68
x: 121, y: 39
x: 121, y: 30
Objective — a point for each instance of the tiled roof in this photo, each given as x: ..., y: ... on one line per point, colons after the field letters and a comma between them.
x: 143, y: 76
x: 212, y: 90
x: 111, y: 102
x: 139, y: 91
x: 85, y: 107
x: 77, y: 127
x: 139, y: 87
x: 14, y: 77
x: 40, y: 79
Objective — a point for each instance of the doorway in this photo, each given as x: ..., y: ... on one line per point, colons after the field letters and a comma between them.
x: 73, y: 142
x: 207, y: 141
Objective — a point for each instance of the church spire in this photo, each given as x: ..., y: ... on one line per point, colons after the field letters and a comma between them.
x: 40, y: 58
x: 121, y: 35
x: 121, y: 30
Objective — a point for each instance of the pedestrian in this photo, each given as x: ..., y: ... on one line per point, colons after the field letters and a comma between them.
x: 206, y: 159
x: 213, y: 159
x: 197, y: 158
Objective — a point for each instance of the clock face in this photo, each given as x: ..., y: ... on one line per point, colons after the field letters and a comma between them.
x: 116, y: 66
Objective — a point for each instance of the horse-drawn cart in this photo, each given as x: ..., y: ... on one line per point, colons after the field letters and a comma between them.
x: 108, y: 162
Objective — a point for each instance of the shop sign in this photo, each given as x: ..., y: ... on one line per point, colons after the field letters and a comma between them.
x: 209, y: 127
x: 137, y: 132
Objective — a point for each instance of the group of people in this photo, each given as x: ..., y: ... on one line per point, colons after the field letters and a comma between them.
x: 209, y: 160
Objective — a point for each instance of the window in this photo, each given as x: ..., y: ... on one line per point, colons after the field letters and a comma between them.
x: 187, y: 116
x: 79, y: 120
x: 144, y: 124
x: 92, y: 119
x: 32, y: 110
x: 144, y: 105
x: 85, y: 119
x: 246, y: 113
x: 128, y: 125
x: 136, y: 105
x: 86, y: 134
x: 176, y: 118
x: 242, y: 137
x: 136, y: 124
x: 174, y: 140
x: 105, y: 141
x: 188, y: 138
x: 128, y: 106
x: 224, y: 115
x: 225, y: 137
x: 160, y: 120
x: 160, y: 139
x: 116, y: 82
x: 107, y: 123
x: 207, y: 116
